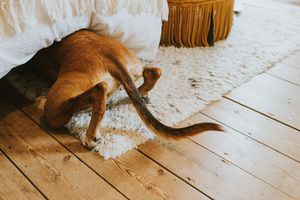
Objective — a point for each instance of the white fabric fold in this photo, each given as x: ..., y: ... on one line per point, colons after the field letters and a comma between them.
x: 26, y: 26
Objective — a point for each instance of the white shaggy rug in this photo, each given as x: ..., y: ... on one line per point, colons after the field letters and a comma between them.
x: 262, y: 35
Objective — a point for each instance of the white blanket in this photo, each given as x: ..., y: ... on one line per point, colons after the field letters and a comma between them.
x: 27, y: 26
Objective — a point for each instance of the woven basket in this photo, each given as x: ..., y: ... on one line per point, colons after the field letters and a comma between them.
x: 197, y: 22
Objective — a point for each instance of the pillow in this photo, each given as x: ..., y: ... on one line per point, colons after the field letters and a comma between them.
x: 25, y: 28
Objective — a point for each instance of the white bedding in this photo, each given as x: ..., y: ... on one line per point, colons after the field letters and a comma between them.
x: 27, y: 26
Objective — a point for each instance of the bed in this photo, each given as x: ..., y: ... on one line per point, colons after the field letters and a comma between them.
x: 26, y: 26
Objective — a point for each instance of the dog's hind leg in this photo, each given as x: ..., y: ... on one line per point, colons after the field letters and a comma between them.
x: 151, y: 76
x: 61, y: 105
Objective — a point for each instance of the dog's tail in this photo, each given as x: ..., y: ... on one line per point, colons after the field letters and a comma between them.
x: 149, y: 120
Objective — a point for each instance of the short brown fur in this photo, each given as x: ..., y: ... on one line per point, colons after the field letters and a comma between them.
x: 87, y: 68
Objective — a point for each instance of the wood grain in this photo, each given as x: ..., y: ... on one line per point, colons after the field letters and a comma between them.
x: 218, y: 177
x: 13, y: 184
x: 271, y: 96
x: 201, y: 168
x: 286, y: 72
x: 266, y: 164
x: 53, y: 169
x: 256, y: 126
x: 135, y: 175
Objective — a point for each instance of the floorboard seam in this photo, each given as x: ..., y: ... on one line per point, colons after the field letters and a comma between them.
x: 175, y: 174
x: 25, y: 176
x: 290, y: 126
x: 275, y: 76
x: 242, y: 169
x: 51, y: 135
x: 244, y: 134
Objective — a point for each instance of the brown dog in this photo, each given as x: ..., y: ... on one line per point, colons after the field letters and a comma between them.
x: 87, y: 68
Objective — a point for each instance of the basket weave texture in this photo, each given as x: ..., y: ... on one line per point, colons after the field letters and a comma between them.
x: 197, y: 22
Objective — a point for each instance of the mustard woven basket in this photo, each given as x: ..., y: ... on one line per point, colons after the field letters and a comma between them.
x: 197, y: 22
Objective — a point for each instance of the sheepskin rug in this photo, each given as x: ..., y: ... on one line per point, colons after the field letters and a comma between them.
x: 263, y: 34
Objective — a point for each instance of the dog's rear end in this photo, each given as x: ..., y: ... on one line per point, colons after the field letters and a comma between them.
x: 86, y: 68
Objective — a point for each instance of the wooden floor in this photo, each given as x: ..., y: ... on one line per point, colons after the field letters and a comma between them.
x: 257, y: 158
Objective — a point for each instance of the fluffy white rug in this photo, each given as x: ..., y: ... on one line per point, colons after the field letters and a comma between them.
x: 262, y: 35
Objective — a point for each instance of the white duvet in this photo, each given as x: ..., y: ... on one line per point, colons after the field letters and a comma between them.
x: 27, y: 26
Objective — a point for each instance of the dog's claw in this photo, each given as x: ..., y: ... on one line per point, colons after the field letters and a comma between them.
x: 146, y: 99
x: 89, y: 143
x: 95, y: 139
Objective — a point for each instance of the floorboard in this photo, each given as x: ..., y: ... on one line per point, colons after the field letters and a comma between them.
x: 293, y: 60
x: 13, y: 184
x: 271, y: 96
x: 286, y: 72
x: 49, y: 166
x: 260, y: 128
x: 215, y: 175
x: 262, y: 162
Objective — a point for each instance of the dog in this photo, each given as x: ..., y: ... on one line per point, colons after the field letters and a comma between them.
x: 86, y: 69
